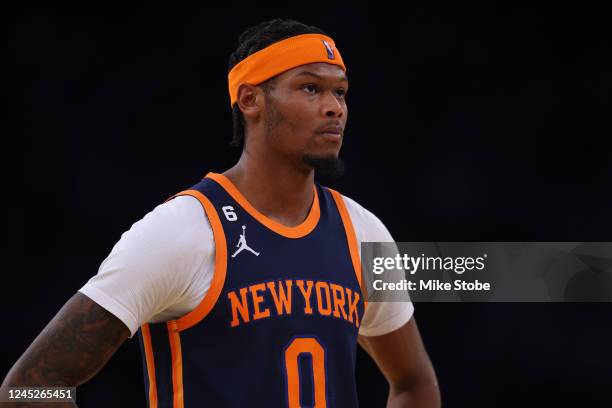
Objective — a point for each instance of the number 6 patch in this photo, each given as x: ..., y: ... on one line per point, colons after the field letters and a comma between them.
x: 230, y: 215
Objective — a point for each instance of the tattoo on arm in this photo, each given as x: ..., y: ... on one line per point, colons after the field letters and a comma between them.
x: 73, y: 347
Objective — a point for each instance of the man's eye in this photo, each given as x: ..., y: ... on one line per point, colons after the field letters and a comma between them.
x: 310, y: 88
x: 341, y: 92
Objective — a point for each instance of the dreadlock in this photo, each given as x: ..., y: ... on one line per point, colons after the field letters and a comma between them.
x: 257, y: 38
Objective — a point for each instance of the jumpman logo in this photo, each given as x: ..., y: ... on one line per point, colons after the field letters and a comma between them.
x: 242, y: 245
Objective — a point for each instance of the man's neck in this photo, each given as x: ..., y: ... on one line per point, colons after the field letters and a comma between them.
x: 277, y: 190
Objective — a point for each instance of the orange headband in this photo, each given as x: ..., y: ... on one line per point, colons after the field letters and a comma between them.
x: 280, y: 57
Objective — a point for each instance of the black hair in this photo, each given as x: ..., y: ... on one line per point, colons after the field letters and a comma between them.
x: 257, y: 38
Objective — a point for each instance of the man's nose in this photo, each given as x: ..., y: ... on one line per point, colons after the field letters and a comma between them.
x: 332, y: 106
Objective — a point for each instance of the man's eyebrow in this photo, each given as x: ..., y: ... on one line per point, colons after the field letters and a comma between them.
x: 343, y: 78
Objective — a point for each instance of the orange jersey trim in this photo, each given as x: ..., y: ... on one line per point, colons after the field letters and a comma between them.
x: 298, y: 231
x: 146, y: 336
x: 177, y: 366
x: 216, y: 286
x: 352, y: 241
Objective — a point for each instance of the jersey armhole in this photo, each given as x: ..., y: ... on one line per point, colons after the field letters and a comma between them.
x: 218, y: 280
x: 352, y: 242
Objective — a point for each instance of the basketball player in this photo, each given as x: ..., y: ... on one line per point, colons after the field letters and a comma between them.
x: 245, y: 290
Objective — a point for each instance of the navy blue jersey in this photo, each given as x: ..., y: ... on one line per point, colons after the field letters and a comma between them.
x: 278, y: 326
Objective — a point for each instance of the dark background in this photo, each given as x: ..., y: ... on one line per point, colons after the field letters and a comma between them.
x: 467, y: 123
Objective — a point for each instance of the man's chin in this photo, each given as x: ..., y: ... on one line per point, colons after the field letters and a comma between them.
x: 328, y: 166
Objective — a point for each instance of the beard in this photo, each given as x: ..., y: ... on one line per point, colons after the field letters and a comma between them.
x: 328, y: 166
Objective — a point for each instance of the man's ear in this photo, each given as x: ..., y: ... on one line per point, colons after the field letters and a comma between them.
x: 250, y: 100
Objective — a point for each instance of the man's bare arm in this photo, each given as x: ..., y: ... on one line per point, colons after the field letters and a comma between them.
x: 404, y: 362
x: 72, y: 348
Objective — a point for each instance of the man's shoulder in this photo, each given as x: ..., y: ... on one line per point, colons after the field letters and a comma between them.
x: 356, y: 208
x: 179, y: 210
x: 180, y: 205
x: 368, y: 227
x: 172, y: 223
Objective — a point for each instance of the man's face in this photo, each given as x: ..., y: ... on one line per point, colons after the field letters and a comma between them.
x: 306, y: 114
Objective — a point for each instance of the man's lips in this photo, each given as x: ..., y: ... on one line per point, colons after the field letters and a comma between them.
x: 332, y: 130
x: 333, y: 136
